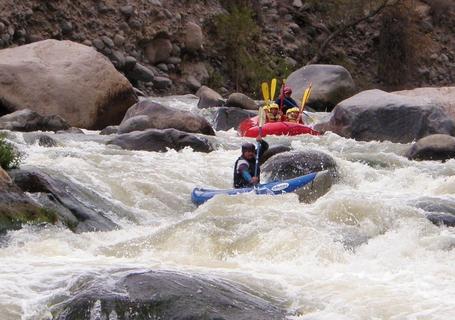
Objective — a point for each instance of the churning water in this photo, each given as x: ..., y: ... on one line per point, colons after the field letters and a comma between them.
x: 362, y: 251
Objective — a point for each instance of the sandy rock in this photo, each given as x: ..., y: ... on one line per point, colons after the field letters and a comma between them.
x: 66, y: 79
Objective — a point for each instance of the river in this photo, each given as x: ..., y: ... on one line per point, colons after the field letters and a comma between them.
x: 362, y: 251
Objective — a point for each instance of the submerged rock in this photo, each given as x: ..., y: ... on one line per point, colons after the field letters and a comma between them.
x: 163, y: 295
x: 433, y: 147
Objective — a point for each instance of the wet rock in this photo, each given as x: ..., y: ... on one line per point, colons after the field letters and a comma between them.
x: 72, y: 205
x: 433, y: 147
x: 161, y: 117
x: 378, y: 115
x: 193, y: 37
x: 67, y: 79
x: 439, y: 211
x: 28, y: 120
x: 239, y: 100
x: 163, y: 295
x: 273, y: 151
x: 287, y: 165
x: 109, y: 130
x: 331, y: 84
x: 41, y: 139
x: 228, y: 118
x: 209, y: 98
x: 161, y: 140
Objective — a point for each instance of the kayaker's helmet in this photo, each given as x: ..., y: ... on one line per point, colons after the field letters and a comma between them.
x: 292, y: 110
x: 287, y: 90
x: 292, y: 113
x: 248, y: 146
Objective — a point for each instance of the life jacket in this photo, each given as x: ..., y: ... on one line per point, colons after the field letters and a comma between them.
x: 239, y: 180
x: 273, y: 118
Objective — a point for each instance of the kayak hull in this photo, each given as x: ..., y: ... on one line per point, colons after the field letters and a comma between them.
x: 249, y: 128
x: 201, y: 195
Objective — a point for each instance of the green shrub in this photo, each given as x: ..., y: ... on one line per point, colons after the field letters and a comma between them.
x: 10, y: 158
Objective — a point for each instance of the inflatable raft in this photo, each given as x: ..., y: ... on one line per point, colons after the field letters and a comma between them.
x: 201, y: 195
x: 249, y: 128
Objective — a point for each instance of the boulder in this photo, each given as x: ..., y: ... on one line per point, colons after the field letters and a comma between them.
x: 161, y: 117
x: 439, y: 211
x: 378, y: 115
x: 76, y: 208
x: 161, y: 140
x: 433, y: 147
x: 28, y: 120
x: 17, y: 208
x: 41, y: 139
x: 330, y: 85
x: 64, y: 78
x: 287, y: 165
x: 209, y: 98
x: 227, y: 118
x: 140, y: 72
x: 193, y: 37
x: 162, y: 295
x: 239, y: 100
x: 109, y: 130
x: 158, y: 50
x: 273, y: 151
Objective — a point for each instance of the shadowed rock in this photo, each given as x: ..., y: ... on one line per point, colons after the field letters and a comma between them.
x: 163, y: 295
x: 239, y: 100
x: 28, y: 120
x: 161, y: 140
x: 209, y: 98
x: 156, y: 116
x: 227, y: 118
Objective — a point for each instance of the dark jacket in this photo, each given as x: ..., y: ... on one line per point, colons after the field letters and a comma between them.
x: 243, y: 164
x: 288, y: 103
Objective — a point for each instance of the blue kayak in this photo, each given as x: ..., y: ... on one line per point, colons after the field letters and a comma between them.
x: 201, y: 195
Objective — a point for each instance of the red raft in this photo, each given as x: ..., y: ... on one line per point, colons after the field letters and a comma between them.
x: 249, y: 128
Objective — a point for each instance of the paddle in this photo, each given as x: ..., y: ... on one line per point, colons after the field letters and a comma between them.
x: 272, y: 89
x: 265, y: 92
x: 305, y: 98
x: 282, y: 95
x: 261, y: 121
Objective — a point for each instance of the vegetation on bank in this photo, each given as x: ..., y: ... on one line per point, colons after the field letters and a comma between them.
x: 10, y: 158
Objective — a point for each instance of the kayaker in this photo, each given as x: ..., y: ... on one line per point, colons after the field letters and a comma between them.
x: 292, y: 115
x: 273, y: 112
x: 244, y: 175
x: 285, y: 100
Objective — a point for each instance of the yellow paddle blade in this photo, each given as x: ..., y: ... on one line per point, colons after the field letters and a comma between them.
x: 272, y: 89
x: 261, y: 116
x: 265, y: 92
x: 309, y: 93
x: 304, y: 98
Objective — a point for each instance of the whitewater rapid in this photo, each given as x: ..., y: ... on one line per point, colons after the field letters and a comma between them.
x: 362, y: 251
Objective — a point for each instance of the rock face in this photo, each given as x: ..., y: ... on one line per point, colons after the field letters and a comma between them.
x: 227, y: 118
x: 378, y: 115
x: 433, y: 147
x: 164, y: 295
x: 160, y: 140
x: 147, y: 114
x: 64, y: 78
x: 287, y: 165
x: 66, y: 200
x: 330, y: 85
x: 28, y: 120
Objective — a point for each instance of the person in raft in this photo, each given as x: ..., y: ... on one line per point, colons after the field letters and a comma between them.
x: 292, y: 115
x: 245, y: 165
x: 285, y: 100
x: 273, y: 112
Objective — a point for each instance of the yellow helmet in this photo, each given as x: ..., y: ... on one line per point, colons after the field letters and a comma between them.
x: 273, y: 106
x: 295, y: 109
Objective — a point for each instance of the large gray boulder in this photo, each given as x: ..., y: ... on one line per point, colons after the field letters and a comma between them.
x: 28, y: 120
x: 209, y: 98
x: 287, y: 165
x: 147, y: 114
x: 378, y: 115
x: 242, y: 101
x: 161, y: 140
x: 227, y: 118
x: 162, y: 295
x: 433, y: 147
x: 64, y: 78
x: 331, y: 84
